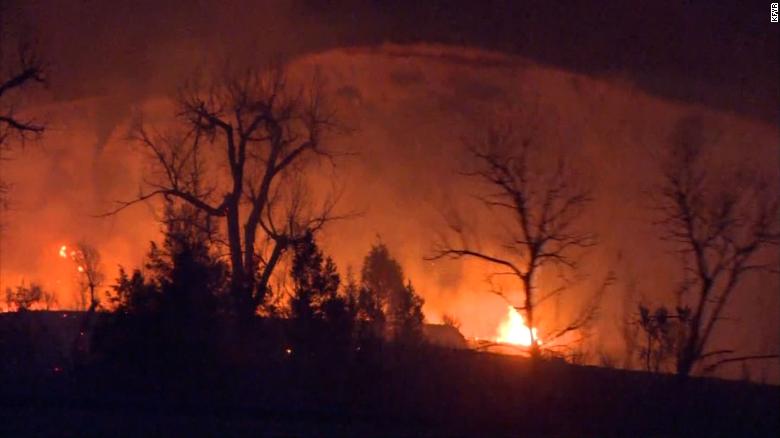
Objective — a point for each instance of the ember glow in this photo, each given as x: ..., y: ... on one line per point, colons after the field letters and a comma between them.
x: 513, y: 330
x: 73, y: 255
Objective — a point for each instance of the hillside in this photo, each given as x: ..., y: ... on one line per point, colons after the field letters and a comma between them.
x: 427, y: 392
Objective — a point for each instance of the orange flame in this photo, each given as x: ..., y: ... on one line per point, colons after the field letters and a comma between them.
x: 514, y: 331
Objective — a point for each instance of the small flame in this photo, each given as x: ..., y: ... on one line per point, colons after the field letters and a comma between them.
x: 72, y: 254
x: 514, y: 331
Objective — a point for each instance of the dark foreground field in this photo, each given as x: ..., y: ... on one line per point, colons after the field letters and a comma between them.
x: 387, y: 392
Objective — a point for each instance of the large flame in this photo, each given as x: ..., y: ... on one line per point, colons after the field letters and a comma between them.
x: 514, y: 331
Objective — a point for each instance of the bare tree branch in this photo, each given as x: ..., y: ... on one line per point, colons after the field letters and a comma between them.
x: 544, y: 205
x: 266, y: 131
x: 720, y: 230
x: 718, y: 364
x: 29, y: 70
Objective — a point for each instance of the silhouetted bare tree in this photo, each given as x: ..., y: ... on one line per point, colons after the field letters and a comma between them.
x: 543, y: 206
x: 629, y: 329
x: 263, y: 131
x: 49, y: 300
x: 451, y: 321
x: 23, y: 297
x: 720, y: 227
x: 661, y: 331
x: 19, y: 69
x: 18, y: 73
x: 90, y: 274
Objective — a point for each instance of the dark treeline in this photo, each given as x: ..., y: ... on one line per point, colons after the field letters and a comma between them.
x: 168, y: 333
x: 174, y: 319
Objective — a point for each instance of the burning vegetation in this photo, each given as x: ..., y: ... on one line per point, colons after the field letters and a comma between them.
x: 514, y: 331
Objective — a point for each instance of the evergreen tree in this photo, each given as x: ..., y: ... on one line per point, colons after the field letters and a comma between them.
x: 168, y: 315
x: 322, y: 316
x: 190, y: 278
x: 407, y: 316
x: 386, y: 301
x: 133, y: 294
x: 316, y: 282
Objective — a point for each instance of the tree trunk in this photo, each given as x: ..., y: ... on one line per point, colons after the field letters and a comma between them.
x: 684, y: 365
x: 262, y: 285
x: 687, y: 357
x: 238, y: 276
x: 529, y: 316
x: 689, y: 354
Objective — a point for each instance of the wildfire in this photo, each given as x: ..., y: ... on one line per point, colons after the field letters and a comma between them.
x: 64, y: 253
x: 514, y: 331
